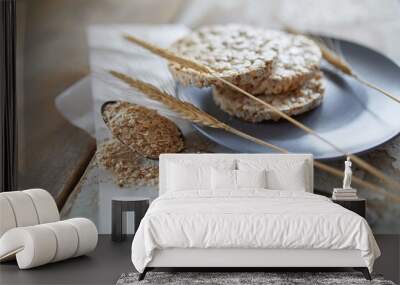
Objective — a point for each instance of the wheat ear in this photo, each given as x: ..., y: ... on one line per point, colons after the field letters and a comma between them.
x: 186, y: 110
x: 341, y: 64
x: 191, y: 113
x: 168, y: 55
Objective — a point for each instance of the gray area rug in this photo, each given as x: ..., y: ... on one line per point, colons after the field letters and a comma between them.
x: 230, y: 278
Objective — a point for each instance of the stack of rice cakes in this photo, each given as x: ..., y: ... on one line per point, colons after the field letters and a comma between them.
x: 279, y: 68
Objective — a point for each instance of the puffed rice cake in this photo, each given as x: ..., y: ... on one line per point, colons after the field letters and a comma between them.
x: 297, y: 61
x: 143, y: 130
x: 257, y: 60
x: 296, y: 102
x: 239, y: 54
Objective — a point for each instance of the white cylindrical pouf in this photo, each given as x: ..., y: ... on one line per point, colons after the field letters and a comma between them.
x: 87, y: 233
x: 23, y: 208
x: 39, y: 245
x: 67, y: 239
x: 45, y: 205
x: 7, y: 218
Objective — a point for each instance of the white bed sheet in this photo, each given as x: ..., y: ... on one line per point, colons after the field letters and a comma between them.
x: 252, y: 218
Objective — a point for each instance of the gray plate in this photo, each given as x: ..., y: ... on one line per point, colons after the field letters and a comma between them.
x: 353, y: 117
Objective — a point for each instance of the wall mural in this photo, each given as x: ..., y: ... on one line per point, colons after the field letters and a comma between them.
x: 132, y: 127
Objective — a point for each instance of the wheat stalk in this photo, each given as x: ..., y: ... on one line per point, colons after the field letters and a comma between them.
x: 172, y: 57
x: 340, y: 63
x: 164, y: 53
x: 191, y: 113
x: 184, y: 109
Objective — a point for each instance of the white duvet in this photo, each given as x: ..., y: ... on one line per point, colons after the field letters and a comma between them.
x: 254, y: 218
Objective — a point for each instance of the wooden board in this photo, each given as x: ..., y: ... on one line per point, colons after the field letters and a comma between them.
x: 54, y: 54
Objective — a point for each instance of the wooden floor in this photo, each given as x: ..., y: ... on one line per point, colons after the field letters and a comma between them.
x: 110, y: 260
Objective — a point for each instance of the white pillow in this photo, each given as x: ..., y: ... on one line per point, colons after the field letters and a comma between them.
x: 226, y: 179
x: 282, y: 174
x: 182, y: 178
x: 223, y: 179
x: 251, y: 178
x: 293, y: 180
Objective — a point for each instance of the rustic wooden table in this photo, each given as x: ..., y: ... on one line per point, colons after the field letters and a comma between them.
x: 52, y: 55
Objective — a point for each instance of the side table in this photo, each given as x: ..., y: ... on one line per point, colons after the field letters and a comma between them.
x: 357, y: 205
x: 138, y: 205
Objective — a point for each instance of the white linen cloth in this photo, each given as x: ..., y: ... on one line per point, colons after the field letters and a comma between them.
x: 253, y: 218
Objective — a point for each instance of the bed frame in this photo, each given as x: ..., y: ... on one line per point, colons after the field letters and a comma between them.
x: 250, y: 258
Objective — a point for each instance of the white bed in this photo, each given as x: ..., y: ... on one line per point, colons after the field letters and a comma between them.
x: 248, y: 227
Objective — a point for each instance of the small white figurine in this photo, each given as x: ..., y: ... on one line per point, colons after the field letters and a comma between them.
x: 347, y: 174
